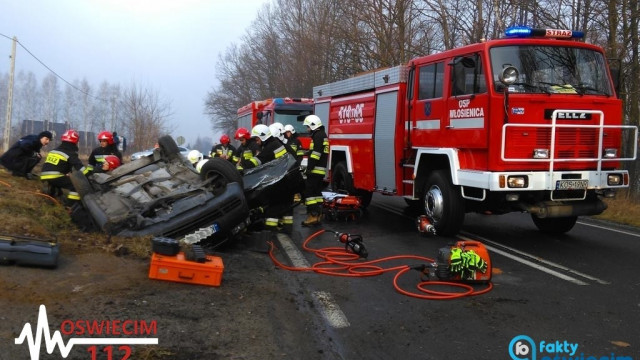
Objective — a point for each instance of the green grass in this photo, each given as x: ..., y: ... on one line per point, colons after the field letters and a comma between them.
x: 26, y: 211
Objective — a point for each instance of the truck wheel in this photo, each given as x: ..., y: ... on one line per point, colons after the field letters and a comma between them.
x: 554, y: 225
x: 169, y: 147
x: 342, y: 181
x: 443, y: 203
x: 219, y: 172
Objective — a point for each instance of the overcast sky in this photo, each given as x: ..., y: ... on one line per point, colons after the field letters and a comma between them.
x: 170, y: 46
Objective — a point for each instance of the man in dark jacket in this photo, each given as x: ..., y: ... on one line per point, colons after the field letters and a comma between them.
x: 59, y: 164
x: 316, y: 170
x: 24, y: 155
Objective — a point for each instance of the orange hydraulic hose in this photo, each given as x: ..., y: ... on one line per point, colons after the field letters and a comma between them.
x: 339, y: 262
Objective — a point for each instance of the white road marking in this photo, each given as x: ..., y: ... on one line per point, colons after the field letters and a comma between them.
x: 537, y: 259
x: 330, y: 310
x: 322, y: 299
x: 610, y: 229
x: 297, y: 259
x: 531, y: 264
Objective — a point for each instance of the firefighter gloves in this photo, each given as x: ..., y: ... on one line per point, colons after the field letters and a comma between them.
x: 455, y: 264
x: 466, y: 261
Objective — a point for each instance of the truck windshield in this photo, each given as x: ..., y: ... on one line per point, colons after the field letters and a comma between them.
x: 288, y: 117
x: 552, y: 70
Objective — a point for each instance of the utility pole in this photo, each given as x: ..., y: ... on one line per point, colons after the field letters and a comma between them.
x: 7, y: 123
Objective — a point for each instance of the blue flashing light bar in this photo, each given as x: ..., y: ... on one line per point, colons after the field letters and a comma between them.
x: 526, y: 31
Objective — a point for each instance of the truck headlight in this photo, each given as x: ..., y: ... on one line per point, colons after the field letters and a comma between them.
x: 614, y: 179
x: 518, y: 181
x: 610, y: 153
x: 540, y: 153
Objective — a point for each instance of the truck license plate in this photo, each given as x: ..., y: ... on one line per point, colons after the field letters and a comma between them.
x: 571, y: 184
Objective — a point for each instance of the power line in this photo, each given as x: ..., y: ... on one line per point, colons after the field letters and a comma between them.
x: 51, y: 70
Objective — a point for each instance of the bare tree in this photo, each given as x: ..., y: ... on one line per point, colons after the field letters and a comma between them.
x: 145, y: 116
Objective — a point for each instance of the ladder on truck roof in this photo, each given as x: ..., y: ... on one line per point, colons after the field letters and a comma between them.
x: 367, y: 81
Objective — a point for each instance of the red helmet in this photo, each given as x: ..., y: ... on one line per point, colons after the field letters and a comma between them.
x: 224, y: 139
x: 113, y: 161
x: 106, y: 135
x: 70, y: 136
x: 242, y: 133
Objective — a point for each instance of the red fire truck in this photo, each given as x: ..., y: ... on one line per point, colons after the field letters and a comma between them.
x: 530, y: 122
x: 284, y: 110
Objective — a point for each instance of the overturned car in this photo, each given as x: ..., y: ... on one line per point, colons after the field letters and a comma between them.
x: 163, y: 195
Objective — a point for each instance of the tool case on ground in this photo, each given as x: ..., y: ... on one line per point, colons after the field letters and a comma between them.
x: 23, y: 250
x: 179, y: 268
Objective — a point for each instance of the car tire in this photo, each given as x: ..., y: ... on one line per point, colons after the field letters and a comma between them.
x: 81, y: 183
x: 169, y: 147
x: 219, y: 172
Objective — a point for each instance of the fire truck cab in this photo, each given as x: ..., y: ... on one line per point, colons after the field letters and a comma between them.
x: 530, y: 122
x: 283, y: 110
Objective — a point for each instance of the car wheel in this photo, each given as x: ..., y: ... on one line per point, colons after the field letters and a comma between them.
x: 443, y: 203
x: 554, y: 225
x: 218, y: 173
x: 169, y: 147
x: 80, y: 183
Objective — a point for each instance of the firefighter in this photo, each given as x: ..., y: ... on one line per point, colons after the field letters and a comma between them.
x: 279, y: 212
x: 59, y: 163
x: 107, y: 147
x: 293, y: 141
x: 194, y: 157
x: 224, y: 149
x: 248, y: 149
x: 110, y: 162
x: 316, y: 169
x: 24, y: 155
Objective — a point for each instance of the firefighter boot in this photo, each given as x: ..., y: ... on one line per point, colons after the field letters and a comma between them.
x: 313, y: 217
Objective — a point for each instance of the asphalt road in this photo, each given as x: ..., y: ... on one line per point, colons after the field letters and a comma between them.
x: 575, y: 296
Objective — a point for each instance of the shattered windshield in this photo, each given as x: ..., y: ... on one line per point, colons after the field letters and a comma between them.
x: 553, y: 70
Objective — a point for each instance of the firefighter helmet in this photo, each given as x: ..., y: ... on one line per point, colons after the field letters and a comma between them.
x: 312, y: 121
x: 106, y: 135
x: 194, y: 156
x: 277, y: 130
x: 113, y: 161
x: 261, y: 131
x: 224, y: 139
x: 70, y: 136
x: 242, y: 133
x: 289, y: 128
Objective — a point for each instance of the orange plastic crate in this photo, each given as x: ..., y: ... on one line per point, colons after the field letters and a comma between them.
x: 178, y: 269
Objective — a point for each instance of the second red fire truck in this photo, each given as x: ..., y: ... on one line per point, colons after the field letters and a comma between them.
x: 528, y: 123
x: 286, y: 110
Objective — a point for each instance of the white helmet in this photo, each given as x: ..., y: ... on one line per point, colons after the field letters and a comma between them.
x: 194, y: 156
x: 290, y: 128
x: 261, y: 131
x: 277, y: 130
x: 200, y: 164
x: 312, y: 121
